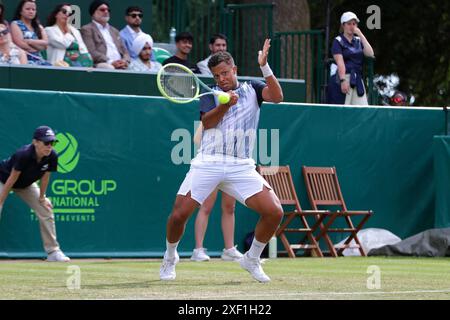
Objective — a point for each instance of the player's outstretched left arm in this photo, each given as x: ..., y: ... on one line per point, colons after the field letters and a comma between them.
x: 272, y: 92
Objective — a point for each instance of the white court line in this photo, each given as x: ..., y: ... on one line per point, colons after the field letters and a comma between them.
x: 293, y: 294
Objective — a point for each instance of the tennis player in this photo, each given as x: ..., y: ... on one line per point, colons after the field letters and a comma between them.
x: 224, y: 160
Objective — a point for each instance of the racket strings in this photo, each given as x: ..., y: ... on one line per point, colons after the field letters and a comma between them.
x: 178, y: 84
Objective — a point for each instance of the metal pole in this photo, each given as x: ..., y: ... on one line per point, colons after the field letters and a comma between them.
x: 326, y: 53
x: 446, y: 120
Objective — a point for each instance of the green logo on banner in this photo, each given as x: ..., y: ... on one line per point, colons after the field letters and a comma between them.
x: 76, y: 199
x: 67, y: 149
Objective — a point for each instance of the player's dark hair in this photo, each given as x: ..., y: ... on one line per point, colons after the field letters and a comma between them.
x: 218, y: 36
x: 219, y: 57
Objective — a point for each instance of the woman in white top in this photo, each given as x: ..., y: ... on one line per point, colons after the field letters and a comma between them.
x: 64, y: 41
x: 10, y: 53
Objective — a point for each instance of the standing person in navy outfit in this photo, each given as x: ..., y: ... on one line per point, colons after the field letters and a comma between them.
x: 346, y: 85
x: 20, y: 172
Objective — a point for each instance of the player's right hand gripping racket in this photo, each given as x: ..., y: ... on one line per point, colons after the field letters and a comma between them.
x: 180, y: 85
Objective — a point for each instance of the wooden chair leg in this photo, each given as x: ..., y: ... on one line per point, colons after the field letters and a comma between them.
x: 354, y: 236
x: 287, y: 245
x: 313, y: 241
x: 323, y: 233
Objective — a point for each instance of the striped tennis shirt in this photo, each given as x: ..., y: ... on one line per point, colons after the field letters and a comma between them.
x: 235, y: 134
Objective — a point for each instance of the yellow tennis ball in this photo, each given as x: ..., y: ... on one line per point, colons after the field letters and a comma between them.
x: 224, y: 98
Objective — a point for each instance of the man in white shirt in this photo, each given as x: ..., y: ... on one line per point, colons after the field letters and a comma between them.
x: 218, y: 42
x: 103, y: 40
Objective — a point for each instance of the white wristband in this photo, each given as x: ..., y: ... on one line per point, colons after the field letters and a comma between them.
x: 266, y: 71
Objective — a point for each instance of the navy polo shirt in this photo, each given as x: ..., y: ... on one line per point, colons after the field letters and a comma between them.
x: 24, y: 160
x: 352, y: 52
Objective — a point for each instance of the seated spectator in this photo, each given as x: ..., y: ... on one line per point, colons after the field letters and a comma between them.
x: 143, y: 44
x: 218, y: 42
x: 103, y: 40
x: 28, y: 34
x: 64, y: 41
x: 9, y: 53
x: 133, y: 17
x: 183, y: 42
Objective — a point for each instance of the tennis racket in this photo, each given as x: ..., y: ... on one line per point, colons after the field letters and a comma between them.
x: 179, y: 84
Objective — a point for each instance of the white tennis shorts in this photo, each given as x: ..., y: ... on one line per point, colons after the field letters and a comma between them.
x: 237, y: 178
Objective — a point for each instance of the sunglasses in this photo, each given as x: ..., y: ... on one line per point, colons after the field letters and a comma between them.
x: 50, y: 143
x: 135, y: 15
x: 4, y: 32
x: 67, y: 12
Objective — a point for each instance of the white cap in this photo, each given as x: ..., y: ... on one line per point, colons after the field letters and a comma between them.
x: 347, y: 16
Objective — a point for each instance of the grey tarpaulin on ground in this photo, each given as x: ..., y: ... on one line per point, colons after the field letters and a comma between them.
x: 370, y: 238
x: 430, y: 243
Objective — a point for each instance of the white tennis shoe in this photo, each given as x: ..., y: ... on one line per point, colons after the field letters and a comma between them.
x: 167, y: 270
x: 57, y: 256
x: 253, y: 266
x: 199, y: 255
x: 231, y: 254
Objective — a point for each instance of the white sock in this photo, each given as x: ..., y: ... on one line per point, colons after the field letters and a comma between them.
x: 171, y: 249
x: 256, y: 249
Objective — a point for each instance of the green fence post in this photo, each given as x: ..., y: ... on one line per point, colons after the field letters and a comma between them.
x: 178, y: 10
x: 229, y: 13
x: 270, y: 20
x: 372, y: 95
x: 275, y: 56
x: 320, y: 68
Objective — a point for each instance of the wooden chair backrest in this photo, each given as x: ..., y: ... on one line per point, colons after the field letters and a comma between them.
x: 323, y: 187
x: 280, y: 179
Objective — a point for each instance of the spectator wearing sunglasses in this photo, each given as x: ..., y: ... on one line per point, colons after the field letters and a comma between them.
x: 133, y: 17
x: 21, y: 171
x: 27, y: 32
x: 103, y: 40
x: 9, y: 52
x: 64, y: 41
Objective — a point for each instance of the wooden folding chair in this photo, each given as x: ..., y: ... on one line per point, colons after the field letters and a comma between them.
x: 323, y: 189
x: 280, y: 179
